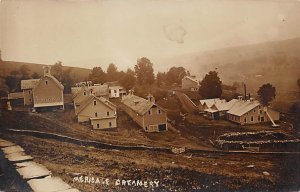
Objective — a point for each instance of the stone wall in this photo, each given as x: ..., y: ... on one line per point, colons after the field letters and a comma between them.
x: 25, y: 174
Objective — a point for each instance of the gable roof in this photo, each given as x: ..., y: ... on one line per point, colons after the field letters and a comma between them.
x: 210, y: 102
x: 29, y: 83
x: 223, y: 105
x: 97, y: 90
x: 191, y: 78
x: 242, y: 107
x: 52, y: 78
x: 90, y: 98
x: 138, y: 104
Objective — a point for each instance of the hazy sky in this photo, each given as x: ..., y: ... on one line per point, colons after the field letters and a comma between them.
x: 95, y: 33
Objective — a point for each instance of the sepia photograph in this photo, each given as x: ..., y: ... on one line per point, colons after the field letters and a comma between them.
x: 149, y: 95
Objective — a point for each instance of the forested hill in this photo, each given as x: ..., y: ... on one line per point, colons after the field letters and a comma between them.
x: 6, y: 67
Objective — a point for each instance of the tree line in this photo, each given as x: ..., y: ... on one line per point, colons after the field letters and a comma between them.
x: 143, y: 74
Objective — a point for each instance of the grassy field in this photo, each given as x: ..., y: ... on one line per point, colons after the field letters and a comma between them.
x: 182, y: 172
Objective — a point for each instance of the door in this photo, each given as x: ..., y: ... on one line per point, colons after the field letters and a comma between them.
x: 162, y: 127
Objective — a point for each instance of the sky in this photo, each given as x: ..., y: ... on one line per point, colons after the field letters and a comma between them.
x: 91, y: 33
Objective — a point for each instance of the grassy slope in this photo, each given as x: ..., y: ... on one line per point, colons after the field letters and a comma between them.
x: 275, y: 62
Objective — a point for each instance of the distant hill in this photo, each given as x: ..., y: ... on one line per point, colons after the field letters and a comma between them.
x: 7, y: 66
x: 275, y: 62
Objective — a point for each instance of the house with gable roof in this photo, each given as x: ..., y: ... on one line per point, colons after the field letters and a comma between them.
x: 250, y: 111
x: 85, y: 90
x: 115, y: 89
x: 44, y: 92
x: 100, y: 112
x: 145, y: 113
x: 190, y: 83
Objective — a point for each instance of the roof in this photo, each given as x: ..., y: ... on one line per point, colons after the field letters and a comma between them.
x: 137, y: 104
x: 90, y: 98
x: 222, y: 105
x: 191, y: 78
x: 112, y: 83
x: 97, y: 90
x: 16, y: 95
x: 210, y: 102
x: 241, y: 107
x: 29, y: 83
x: 116, y: 87
x: 210, y: 110
x: 51, y: 77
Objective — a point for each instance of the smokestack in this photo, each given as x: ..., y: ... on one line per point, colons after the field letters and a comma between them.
x: 245, y: 94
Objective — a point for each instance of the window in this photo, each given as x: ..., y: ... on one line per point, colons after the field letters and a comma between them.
x: 29, y: 91
x: 158, y: 111
x: 96, y: 114
x: 146, y: 128
x: 46, y: 82
x: 259, y: 107
x: 95, y: 102
x: 110, y: 125
x: 107, y: 113
x: 149, y: 112
x: 260, y: 111
x: 115, y: 91
x: 91, y: 91
x: 251, y: 118
x: 98, y: 125
x: 245, y: 120
x: 84, y: 93
x: 258, y: 118
x: 29, y: 99
x: 254, y: 110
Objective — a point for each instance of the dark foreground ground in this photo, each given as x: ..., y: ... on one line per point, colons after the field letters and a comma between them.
x: 175, y: 172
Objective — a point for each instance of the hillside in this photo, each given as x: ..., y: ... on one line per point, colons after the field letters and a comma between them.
x: 7, y: 66
x: 275, y: 62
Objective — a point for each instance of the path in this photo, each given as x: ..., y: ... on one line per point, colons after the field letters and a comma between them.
x: 187, y: 104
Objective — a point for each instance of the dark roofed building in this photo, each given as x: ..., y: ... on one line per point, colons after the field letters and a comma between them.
x: 145, y: 113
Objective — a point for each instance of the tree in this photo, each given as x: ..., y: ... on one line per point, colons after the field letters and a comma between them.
x: 160, y: 78
x: 12, y: 82
x: 57, y: 70
x: 144, y: 71
x: 97, y: 75
x: 211, y: 86
x: 66, y: 80
x: 128, y: 79
x: 175, y: 75
x: 266, y: 93
x: 112, y: 72
x: 24, y: 71
x: 35, y: 75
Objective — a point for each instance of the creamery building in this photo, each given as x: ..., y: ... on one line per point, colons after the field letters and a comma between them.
x: 46, y: 92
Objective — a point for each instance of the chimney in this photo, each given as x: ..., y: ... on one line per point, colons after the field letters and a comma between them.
x: 240, y: 98
x: 151, y: 98
x: 47, y: 70
x: 130, y: 92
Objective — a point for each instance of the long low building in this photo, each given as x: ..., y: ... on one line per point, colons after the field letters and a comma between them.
x: 251, y: 112
x: 239, y: 111
x: 145, y: 113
